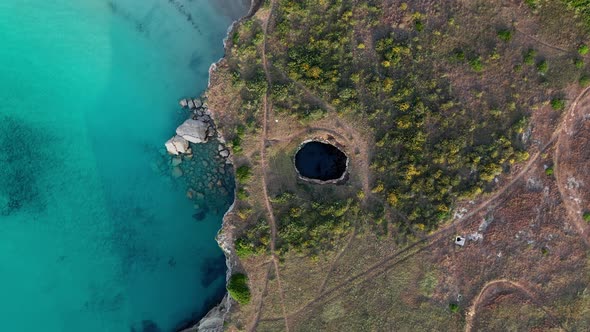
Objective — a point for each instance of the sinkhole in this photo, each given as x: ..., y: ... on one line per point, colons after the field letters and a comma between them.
x: 321, y: 162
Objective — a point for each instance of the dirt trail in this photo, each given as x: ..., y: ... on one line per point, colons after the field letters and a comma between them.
x: 385, y: 264
x: 333, y: 265
x: 267, y: 106
x: 447, y: 230
x: 258, y: 310
x: 432, y: 238
x: 506, y: 284
x: 535, y: 39
x: 570, y: 119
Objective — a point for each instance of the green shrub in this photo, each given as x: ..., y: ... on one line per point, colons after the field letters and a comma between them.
x: 586, y: 216
x: 531, y: 3
x: 584, y: 80
x: 476, y: 64
x: 543, y: 67
x: 557, y: 104
x: 505, y: 34
x: 583, y: 49
x: 549, y: 171
x: 459, y: 54
x: 529, y: 57
x: 454, y: 307
x: 242, y: 194
x: 238, y: 288
x: 419, y: 25
x: 243, y: 174
x: 244, y: 248
x: 579, y: 63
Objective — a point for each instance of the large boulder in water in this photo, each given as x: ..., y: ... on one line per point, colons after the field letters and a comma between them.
x: 194, y: 131
x: 177, y: 145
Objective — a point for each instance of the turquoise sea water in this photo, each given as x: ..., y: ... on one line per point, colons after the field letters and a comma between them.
x: 95, y: 235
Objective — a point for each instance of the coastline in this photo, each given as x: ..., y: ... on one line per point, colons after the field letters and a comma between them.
x: 215, y: 318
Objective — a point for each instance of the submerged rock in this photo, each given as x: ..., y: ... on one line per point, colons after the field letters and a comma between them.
x: 176, y: 172
x: 183, y: 103
x: 200, y: 215
x: 193, y: 131
x: 177, y: 145
x: 190, y: 193
x: 176, y: 161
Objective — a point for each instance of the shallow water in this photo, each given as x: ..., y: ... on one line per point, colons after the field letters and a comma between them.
x: 95, y: 235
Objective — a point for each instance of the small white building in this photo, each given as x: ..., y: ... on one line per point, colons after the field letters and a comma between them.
x: 459, y: 240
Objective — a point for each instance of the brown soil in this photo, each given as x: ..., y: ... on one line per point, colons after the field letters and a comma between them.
x: 533, y: 241
x: 572, y: 163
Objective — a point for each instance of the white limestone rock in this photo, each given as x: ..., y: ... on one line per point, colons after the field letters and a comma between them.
x: 193, y: 131
x: 198, y: 103
x: 177, y: 145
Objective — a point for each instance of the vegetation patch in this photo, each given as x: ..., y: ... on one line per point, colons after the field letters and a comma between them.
x: 243, y: 174
x: 558, y: 104
x: 238, y: 288
x: 428, y: 283
x: 529, y: 57
x: 542, y: 67
x: 313, y: 224
x: 549, y: 171
x: 505, y: 34
x: 442, y: 100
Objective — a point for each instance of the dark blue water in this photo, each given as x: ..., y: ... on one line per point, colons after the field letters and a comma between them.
x: 320, y: 161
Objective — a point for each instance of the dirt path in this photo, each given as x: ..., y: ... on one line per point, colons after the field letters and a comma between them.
x: 384, y: 265
x: 258, y: 310
x: 506, y: 284
x: 535, y: 39
x: 570, y: 119
x: 267, y: 107
x: 414, y: 248
x: 333, y: 265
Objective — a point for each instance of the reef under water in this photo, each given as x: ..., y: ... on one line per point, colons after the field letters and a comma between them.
x: 96, y: 234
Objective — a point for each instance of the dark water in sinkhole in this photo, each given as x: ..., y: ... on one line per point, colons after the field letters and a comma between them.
x: 320, y: 161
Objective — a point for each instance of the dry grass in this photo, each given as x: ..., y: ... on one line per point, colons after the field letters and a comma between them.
x: 383, y: 281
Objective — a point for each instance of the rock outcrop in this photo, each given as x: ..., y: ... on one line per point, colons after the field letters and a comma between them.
x: 177, y: 145
x: 194, y: 131
x: 198, y: 128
